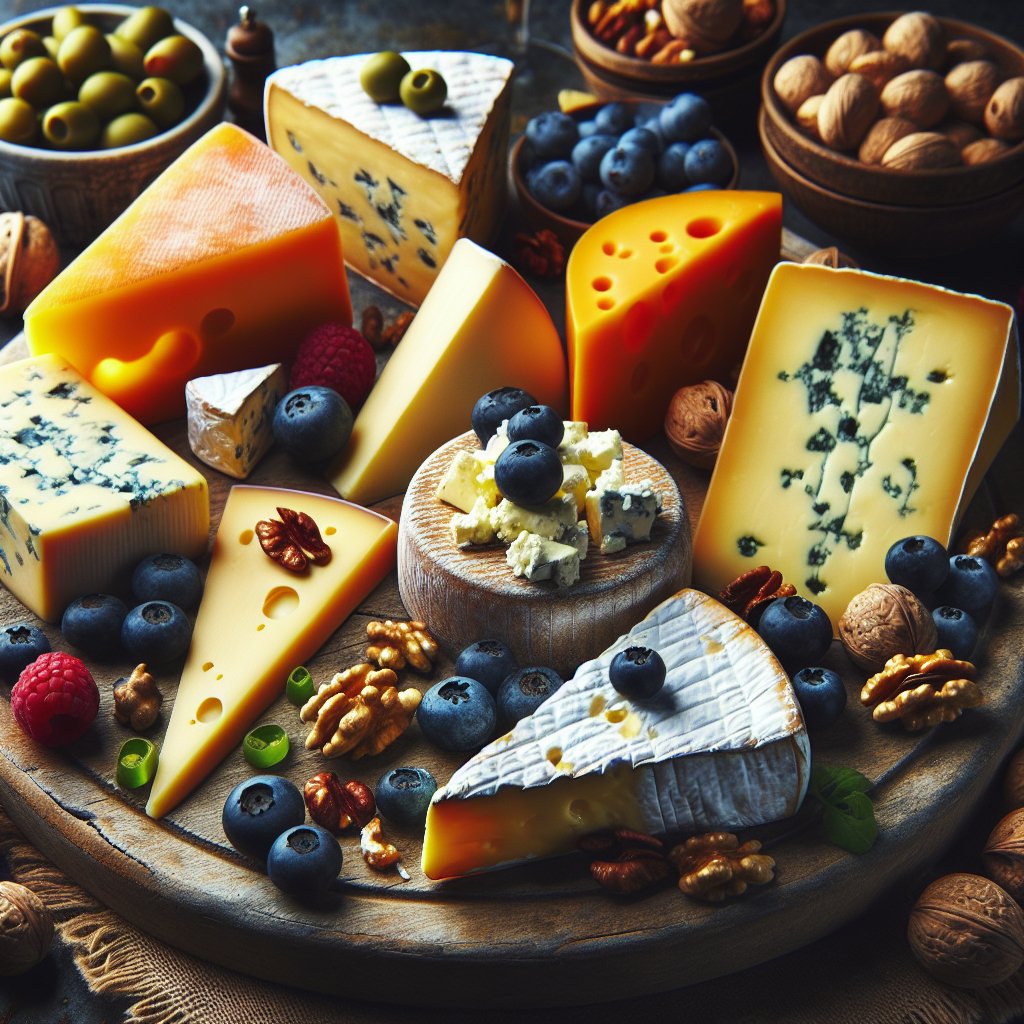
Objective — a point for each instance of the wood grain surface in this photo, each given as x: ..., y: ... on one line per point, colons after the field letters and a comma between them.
x: 471, y: 594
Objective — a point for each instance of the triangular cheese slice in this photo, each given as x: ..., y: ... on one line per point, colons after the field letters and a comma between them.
x: 257, y: 621
x: 722, y: 746
x: 482, y: 327
x: 661, y: 294
x: 224, y: 262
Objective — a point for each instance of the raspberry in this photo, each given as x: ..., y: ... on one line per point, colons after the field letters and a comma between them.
x: 55, y: 699
x: 335, y: 357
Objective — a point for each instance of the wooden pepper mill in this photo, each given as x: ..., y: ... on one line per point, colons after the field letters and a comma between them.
x: 250, y: 47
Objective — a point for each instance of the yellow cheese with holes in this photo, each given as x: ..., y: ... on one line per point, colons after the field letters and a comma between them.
x: 868, y: 409
x: 481, y: 327
x: 661, y: 294
x: 257, y: 621
x: 223, y: 263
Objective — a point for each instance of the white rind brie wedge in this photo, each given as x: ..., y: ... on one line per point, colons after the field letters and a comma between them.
x: 722, y: 746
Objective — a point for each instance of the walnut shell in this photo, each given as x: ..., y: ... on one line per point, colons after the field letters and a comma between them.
x: 881, y: 135
x: 799, y: 78
x: 981, y: 151
x: 919, y: 38
x: 695, y: 422
x: 970, y: 86
x: 966, y: 931
x: 845, y: 48
x: 1003, y: 855
x: 847, y: 111
x: 879, y: 66
x: 960, y: 133
x: 1004, y: 114
x: 919, y: 96
x: 959, y: 50
x: 29, y: 261
x: 1013, y: 782
x: 807, y: 115
x: 921, y: 151
x: 707, y: 25
x: 884, y: 620
x: 26, y: 929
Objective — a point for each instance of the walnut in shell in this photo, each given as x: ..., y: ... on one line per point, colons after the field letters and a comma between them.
x: 920, y: 151
x: 1004, y: 113
x: 26, y: 929
x: 847, y: 111
x: 966, y: 931
x: 881, y: 135
x: 799, y: 78
x: 695, y: 422
x: 959, y: 50
x: 879, y: 66
x: 846, y: 48
x: 981, y: 151
x: 1003, y: 855
x: 960, y: 133
x: 918, y: 37
x: 919, y: 96
x: 1013, y: 782
x: 970, y: 86
x: 29, y: 261
x: 807, y: 115
x: 884, y: 620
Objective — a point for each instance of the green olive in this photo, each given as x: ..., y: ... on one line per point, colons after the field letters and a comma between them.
x: 52, y: 44
x: 381, y: 76
x: 109, y: 93
x: 145, y: 27
x: 5, y: 81
x: 66, y: 19
x: 83, y: 50
x: 71, y: 125
x: 126, y: 130
x: 161, y: 100
x: 38, y: 81
x: 126, y: 57
x: 18, y: 121
x: 424, y: 91
x: 19, y: 45
x: 176, y: 58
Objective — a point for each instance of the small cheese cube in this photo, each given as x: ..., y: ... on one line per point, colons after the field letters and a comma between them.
x: 598, y: 450
x: 470, y: 476
x: 538, y: 558
x: 549, y: 520
x: 473, y: 527
x: 575, y: 481
x: 622, y: 516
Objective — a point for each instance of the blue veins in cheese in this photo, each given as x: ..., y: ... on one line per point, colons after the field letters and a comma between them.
x: 618, y: 513
x: 230, y: 417
x: 538, y: 558
x: 85, y: 490
x: 403, y: 188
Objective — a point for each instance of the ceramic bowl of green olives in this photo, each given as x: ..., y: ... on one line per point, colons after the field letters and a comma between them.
x: 95, y: 101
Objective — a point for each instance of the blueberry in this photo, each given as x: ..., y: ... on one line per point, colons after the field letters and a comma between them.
x: 555, y: 185
x: 20, y: 645
x: 457, y: 713
x: 528, y: 472
x: 587, y: 154
x: 821, y: 694
x: 918, y: 563
x: 304, y: 862
x: 156, y: 632
x: 796, y: 630
x: 258, y: 810
x: 653, y: 125
x: 403, y: 795
x: 492, y: 409
x: 704, y: 186
x: 608, y: 202
x: 168, y: 578
x: 93, y: 624
x: 641, y: 138
x: 957, y: 631
x: 537, y: 423
x: 588, y: 128
x: 708, y: 163
x: 614, y: 118
x: 637, y: 672
x: 588, y: 197
x: 524, y: 691
x: 312, y: 424
x: 552, y: 134
x: 488, y: 662
x: 627, y: 170
x: 971, y: 585
x: 686, y: 119
x: 672, y: 167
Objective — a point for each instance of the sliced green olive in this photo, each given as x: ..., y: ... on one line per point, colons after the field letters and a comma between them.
x: 83, y: 51
x: 18, y: 121
x: 127, y: 130
x: 266, y: 746
x: 161, y: 100
x: 71, y: 125
x: 136, y: 763
x: 381, y: 76
x: 145, y: 26
x: 109, y: 93
x: 299, y: 687
x: 176, y: 58
x: 19, y: 45
x: 38, y: 81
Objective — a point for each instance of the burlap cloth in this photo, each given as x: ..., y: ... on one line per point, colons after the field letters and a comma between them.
x: 862, y: 974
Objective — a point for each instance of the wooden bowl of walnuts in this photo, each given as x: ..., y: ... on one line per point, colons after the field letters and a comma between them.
x: 898, y: 109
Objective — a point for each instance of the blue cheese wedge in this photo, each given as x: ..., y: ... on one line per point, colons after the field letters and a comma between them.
x: 402, y: 187
x: 539, y: 559
x: 722, y: 747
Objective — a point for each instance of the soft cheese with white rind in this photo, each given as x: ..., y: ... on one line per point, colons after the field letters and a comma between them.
x: 722, y: 746
x: 85, y: 490
x: 402, y: 187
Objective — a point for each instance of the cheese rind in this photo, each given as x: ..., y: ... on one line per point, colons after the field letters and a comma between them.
x: 402, y: 187
x: 723, y: 746
x: 85, y: 490
x: 257, y: 621
x: 897, y: 396
x: 225, y: 261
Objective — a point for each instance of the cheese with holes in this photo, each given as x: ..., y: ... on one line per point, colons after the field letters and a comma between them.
x: 722, y: 746
x: 402, y: 187
x: 481, y: 327
x: 224, y: 262
x: 661, y: 294
x: 85, y: 490
x: 257, y: 621
x: 867, y: 411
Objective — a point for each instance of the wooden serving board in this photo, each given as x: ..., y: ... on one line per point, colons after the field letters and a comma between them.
x: 472, y: 594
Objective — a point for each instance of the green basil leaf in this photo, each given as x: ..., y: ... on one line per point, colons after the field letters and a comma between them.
x: 848, y: 814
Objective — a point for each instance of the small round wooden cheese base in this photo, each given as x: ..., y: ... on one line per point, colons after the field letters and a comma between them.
x: 466, y: 595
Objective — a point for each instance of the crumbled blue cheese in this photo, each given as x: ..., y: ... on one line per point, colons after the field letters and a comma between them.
x: 575, y: 481
x: 598, y: 450
x: 470, y: 476
x: 618, y: 516
x: 549, y: 520
x: 474, y: 527
x: 538, y: 558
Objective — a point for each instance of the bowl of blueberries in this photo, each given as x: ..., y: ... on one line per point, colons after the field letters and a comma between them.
x: 572, y: 168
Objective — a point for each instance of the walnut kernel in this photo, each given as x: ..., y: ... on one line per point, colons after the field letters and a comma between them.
x: 847, y: 111
x: 918, y: 37
x: 845, y: 48
x: 26, y: 929
x: 695, y: 422
x: 884, y: 620
x: 881, y: 135
x: 921, y: 150
x: 970, y: 86
x: 137, y: 700
x: 1004, y: 114
x: 798, y: 79
x: 1003, y: 855
x: 919, y: 96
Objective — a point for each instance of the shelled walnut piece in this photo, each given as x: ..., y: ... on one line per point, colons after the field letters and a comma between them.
x: 398, y: 645
x: 137, y: 700
x: 716, y: 865
x: 377, y: 852
x: 1002, y: 546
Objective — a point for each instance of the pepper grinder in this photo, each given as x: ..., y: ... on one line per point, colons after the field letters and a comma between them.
x: 250, y: 47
